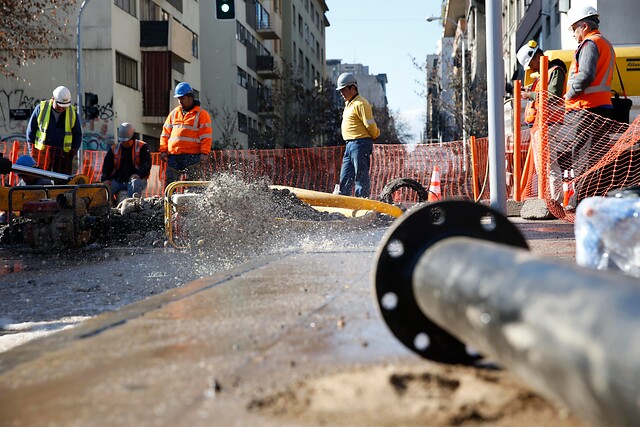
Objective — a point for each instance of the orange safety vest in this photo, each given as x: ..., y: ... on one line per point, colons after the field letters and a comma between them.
x: 135, y: 155
x: 186, y: 133
x: 599, y: 91
x: 531, y: 111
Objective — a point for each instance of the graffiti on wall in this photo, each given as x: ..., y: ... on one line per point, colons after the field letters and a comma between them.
x: 97, y: 134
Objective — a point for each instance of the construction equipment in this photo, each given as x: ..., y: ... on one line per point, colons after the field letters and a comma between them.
x: 53, y: 216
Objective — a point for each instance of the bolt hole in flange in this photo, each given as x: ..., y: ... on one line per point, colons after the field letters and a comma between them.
x: 398, y: 254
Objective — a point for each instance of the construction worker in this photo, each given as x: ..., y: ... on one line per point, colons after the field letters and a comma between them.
x: 529, y: 57
x: 127, y: 165
x: 54, y: 126
x: 186, y: 137
x: 588, y: 92
x: 359, y: 130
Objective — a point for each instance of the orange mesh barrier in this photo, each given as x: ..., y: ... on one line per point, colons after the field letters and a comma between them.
x: 576, y: 154
x: 319, y: 168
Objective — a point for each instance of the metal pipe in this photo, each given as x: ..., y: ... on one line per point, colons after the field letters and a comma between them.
x: 41, y: 173
x: 571, y: 333
x: 495, y: 96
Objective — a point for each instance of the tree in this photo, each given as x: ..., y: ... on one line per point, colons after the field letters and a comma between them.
x: 305, y: 116
x: 226, y: 121
x: 32, y: 29
x: 393, y: 128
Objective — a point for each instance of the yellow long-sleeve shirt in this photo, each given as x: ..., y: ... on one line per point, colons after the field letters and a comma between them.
x: 358, y: 121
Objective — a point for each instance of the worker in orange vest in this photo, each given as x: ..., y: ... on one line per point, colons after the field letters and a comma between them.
x: 185, y: 142
x: 127, y: 165
x: 529, y: 57
x: 588, y: 93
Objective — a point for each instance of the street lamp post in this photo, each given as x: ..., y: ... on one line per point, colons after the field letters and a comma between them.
x: 463, y: 89
x: 79, y: 76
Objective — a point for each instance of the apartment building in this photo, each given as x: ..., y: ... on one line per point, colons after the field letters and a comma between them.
x: 136, y: 51
x: 243, y: 62
x: 133, y: 53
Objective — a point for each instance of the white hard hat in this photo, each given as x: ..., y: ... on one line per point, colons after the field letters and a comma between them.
x: 578, y: 13
x: 62, y: 96
x: 527, y: 52
x: 346, y: 79
x: 125, y: 132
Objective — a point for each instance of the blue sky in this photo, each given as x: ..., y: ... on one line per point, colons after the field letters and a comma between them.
x: 385, y: 35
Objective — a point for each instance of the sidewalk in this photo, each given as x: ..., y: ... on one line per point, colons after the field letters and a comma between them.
x: 287, y: 340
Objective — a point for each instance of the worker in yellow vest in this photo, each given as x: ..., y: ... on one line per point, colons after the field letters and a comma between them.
x: 588, y: 94
x: 54, y: 132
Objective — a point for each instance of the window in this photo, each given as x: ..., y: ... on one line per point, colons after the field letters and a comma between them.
x: 294, y: 15
x: 294, y: 52
x: 242, y: 122
x: 300, y: 59
x: 128, y: 6
x: 126, y: 71
x: 300, y: 24
x: 242, y: 77
x: 318, y: 51
x: 241, y: 33
x: 150, y: 11
x: 194, y: 45
x: 306, y: 33
x: 306, y: 66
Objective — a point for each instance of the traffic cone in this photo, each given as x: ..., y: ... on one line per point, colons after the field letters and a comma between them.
x: 567, y: 187
x: 434, y: 187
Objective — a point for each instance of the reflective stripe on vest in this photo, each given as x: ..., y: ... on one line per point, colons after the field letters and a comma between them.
x: 599, y: 91
x: 135, y: 155
x: 43, y: 124
x: 187, y: 130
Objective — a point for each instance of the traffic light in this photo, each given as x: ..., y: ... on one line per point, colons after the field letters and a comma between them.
x: 91, y: 110
x: 225, y: 9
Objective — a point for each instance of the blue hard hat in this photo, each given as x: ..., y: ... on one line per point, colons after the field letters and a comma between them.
x: 182, y: 89
x: 26, y: 160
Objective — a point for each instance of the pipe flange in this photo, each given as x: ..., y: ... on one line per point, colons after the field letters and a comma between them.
x: 398, y: 254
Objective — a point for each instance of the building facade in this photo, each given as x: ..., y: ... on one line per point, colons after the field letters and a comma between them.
x: 133, y: 53
x: 136, y: 51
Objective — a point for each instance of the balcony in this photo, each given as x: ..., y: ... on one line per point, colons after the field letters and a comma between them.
x: 166, y: 36
x: 269, y: 26
x: 266, y: 68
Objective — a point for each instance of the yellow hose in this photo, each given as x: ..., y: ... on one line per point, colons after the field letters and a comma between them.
x: 318, y: 198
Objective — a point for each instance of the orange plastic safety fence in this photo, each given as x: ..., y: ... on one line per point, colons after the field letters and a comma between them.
x: 578, y: 154
x: 319, y: 168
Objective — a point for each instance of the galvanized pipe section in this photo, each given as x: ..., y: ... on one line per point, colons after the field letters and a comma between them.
x: 41, y: 173
x: 571, y: 333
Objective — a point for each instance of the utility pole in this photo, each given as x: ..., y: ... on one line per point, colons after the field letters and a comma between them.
x: 79, y: 75
x: 495, y: 98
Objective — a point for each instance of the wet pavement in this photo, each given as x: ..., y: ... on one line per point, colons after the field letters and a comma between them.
x: 213, y: 351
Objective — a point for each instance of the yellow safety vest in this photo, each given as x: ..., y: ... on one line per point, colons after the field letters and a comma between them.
x: 43, y: 125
